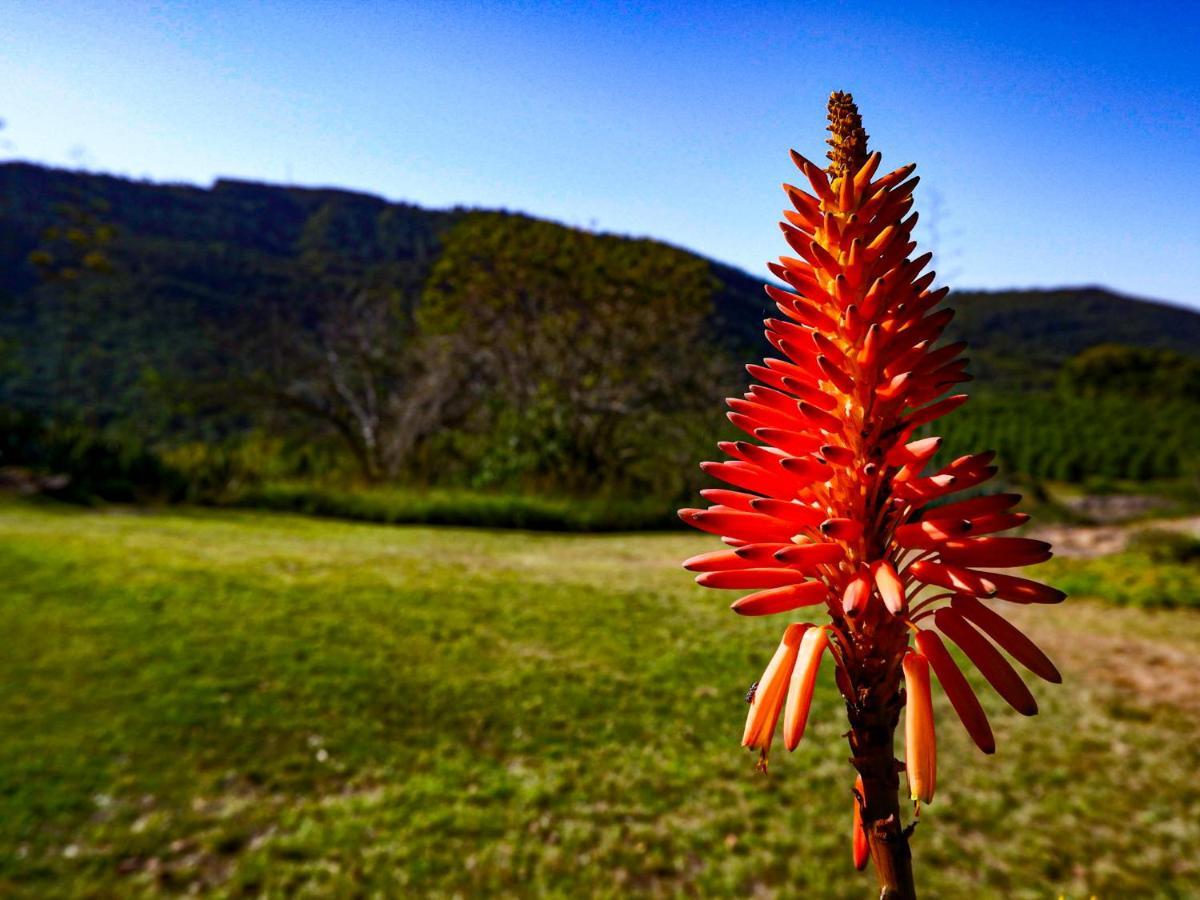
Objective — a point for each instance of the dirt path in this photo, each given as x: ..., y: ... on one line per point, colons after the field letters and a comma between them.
x: 1086, y: 541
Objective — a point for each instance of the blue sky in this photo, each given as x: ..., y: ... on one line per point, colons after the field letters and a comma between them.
x: 1058, y: 143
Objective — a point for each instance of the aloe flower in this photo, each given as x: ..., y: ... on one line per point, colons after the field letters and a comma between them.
x: 837, y: 506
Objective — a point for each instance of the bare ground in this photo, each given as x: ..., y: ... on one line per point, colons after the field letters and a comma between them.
x: 1120, y: 651
x: 1086, y: 541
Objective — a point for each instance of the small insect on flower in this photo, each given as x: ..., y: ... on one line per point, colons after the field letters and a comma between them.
x: 839, y: 502
x: 750, y: 693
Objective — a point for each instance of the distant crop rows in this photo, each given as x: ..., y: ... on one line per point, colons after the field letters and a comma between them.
x: 1056, y: 436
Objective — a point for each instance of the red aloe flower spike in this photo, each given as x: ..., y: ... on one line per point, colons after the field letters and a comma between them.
x: 920, y: 740
x: 831, y: 498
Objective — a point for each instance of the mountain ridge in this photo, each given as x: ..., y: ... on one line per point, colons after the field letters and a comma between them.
x: 231, y: 187
x: 195, y: 258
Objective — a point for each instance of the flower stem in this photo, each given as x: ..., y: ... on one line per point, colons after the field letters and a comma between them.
x: 874, y: 712
x: 890, y: 852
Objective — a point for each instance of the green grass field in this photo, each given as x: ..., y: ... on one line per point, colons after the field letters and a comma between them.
x: 264, y: 704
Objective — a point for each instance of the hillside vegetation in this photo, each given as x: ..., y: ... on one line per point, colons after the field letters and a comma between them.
x: 169, y: 341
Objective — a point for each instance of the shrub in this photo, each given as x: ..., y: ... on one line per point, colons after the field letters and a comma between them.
x: 1163, y: 546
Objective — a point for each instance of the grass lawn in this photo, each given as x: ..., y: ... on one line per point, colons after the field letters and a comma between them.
x: 250, y: 703
x: 1129, y: 579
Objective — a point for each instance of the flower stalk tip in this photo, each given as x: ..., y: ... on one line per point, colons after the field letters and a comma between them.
x: 847, y: 139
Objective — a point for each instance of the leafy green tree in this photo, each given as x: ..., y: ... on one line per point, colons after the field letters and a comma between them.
x: 576, y: 334
x: 1115, y: 368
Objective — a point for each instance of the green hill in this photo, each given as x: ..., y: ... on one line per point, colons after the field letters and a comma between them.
x: 497, y: 349
x: 215, y: 253
x: 1028, y: 335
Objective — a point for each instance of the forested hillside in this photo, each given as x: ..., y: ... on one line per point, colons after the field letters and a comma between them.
x: 190, y: 341
x: 1024, y: 336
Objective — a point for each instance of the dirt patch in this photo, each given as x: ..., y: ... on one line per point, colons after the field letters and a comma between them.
x: 1087, y: 541
x: 1113, y: 508
x: 1144, y: 671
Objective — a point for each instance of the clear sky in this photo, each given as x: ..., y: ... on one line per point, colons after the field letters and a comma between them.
x: 1059, y: 143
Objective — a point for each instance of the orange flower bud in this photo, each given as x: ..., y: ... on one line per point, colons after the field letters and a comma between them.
x: 994, y: 667
x: 842, y: 529
x: 781, y: 599
x: 751, y: 578
x: 920, y: 742
x: 891, y: 588
x: 1000, y: 630
x: 856, y: 594
x: 768, y: 698
x: 814, y: 554
x: 800, y: 692
x: 995, y: 552
x: 958, y: 691
x: 859, y: 845
x: 717, y: 561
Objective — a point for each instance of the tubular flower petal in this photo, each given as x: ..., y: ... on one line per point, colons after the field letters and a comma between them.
x: 759, y: 554
x: 814, y: 554
x: 995, y: 552
x: 856, y: 595
x: 781, y: 599
x: 920, y: 742
x: 891, y: 588
x: 717, y: 561
x: 842, y: 529
x: 958, y: 692
x: 833, y: 497
x: 955, y: 578
x: 987, y: 659
x: 1004, y: 633
x: 804, y: 678
x: 1022, y: 590
x: 751, y: 578
x: 768, y: 697
x: 859, y: 846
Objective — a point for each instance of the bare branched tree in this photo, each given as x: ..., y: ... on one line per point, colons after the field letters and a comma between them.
x: 363, y: 371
